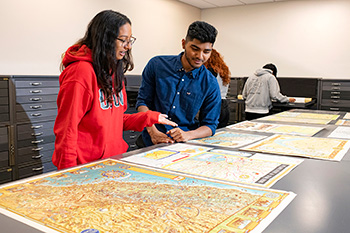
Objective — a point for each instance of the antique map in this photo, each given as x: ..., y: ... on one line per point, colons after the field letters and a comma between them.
x: 301, y: 117
x: 232, y: 166
x: 347, y: 116
x: 112, y: 196
x: 229, y: 139
x: 343, y: 122
x: 320, y: 148
x: 276, y: 128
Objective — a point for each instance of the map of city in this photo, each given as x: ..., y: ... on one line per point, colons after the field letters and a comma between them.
x: 301, y: 117
x: 233, y: 166
x: 276, y: 128
x: 229, y: 139
x: 112, y: 196
x: 320, y: 148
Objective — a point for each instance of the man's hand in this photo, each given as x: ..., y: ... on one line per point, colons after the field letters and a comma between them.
x: 163, y: 119
x: 179, y: 135
x: 158, y: 137
x: 291, y: 100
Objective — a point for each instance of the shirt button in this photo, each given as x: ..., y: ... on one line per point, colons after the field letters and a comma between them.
x: 178, y: 93
x: 173, y: 106
x: 182, y: 80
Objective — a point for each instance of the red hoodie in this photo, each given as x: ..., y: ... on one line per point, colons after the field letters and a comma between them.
x: 88, y: 128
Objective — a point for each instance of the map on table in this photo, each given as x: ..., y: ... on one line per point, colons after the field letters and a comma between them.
x: 312, y: 147
x: 340, y: 132
x: 114, y: 196
x: 301, y: 117
x: 343, y: 122
x: 347, y: 116
x: 276, y: 128
x: 233, y: 166
x: 229, y: 139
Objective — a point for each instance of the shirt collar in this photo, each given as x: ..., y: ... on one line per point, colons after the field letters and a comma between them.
x: 178, y: 67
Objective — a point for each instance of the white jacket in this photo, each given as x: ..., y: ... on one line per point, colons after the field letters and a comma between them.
x: 259, y: 90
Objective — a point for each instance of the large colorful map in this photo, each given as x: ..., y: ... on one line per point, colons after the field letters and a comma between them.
x: 232, y: 166
x: 276, y: 128
x: 301, y: 117
x: 112, y: 196
x: 229, y: 139
x: 320, y: 148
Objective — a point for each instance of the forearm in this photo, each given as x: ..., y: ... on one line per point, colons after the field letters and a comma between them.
x: 201, y: 132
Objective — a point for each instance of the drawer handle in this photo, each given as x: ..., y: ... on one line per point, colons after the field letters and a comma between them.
x: 334, y: 109
x: 35, y: 114
x: 335, y: 92
x: 35, y: 99
x: 35, y: 91
x: 36, y: 126
x: 37, y: 141
x: 133, y: 136
x: 37, y: 156
x: 335, y: 88
x: 37, y: 149
x: 36, y: 84
x: 335, y: 97
x: 335, y: 101
x: 336, y: 84
x: 37, y: 134
x: 38, y: 168
x: 132, y: 145
x: 36, y: 106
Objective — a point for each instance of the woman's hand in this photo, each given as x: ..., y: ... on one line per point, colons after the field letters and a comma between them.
x: 163, y: 119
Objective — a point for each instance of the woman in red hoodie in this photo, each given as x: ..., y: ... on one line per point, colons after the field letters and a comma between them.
x: 92, y: 97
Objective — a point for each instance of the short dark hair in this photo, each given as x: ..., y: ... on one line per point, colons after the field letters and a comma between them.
x: 202, y: 31
x: 271, y: 67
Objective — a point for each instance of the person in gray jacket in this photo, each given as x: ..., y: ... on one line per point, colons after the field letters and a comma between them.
x: 259, y: 90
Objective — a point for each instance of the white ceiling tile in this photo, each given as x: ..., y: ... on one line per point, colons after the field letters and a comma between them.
x: 199, y: 3
x: 222, y: 3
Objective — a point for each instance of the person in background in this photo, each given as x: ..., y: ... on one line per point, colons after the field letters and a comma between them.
x: 92, y: 98
x: 180, y: 86
x: 259, y: 90
x: 220, y: 70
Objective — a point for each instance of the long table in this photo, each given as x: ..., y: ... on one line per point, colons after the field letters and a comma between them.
x: 322, y: 203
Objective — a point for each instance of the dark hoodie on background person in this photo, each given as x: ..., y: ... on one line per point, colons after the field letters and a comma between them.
x: 87, y: 127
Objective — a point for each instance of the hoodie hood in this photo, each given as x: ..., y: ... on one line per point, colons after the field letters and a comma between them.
x: 261, y: 72
x: 77, y: 53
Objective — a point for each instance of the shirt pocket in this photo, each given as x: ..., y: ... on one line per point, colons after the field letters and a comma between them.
x: 190, y: 101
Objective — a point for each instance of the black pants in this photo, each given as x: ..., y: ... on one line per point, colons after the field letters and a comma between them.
x: 224, y: 114
x: 252, y: 116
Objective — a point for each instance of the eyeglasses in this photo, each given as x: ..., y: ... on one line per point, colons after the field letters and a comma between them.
x: 131, y: 41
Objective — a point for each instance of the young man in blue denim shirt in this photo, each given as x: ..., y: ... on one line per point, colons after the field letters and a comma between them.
x: 180, y: 86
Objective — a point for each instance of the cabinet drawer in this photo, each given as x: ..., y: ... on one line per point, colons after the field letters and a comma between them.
x: 336, y: 95
x: 4, y: 100
x: 35, y: 169
x: 37, y: 142
x: 37, y: 91
x: 37, y: 83
x: 36, y: 106
x: 33, y: 131
x: 37, y: 149
x: 5, y: 175
x: 335, y: 102
x: 36, y: 99
x: 37, y: 115
x: 336, y: 85
x: 35, y: 157
x: 4, y: 92
x: 4, y: 159
x: 335, y: 108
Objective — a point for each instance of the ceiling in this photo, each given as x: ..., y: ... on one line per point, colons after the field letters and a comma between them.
x: 204, y: 4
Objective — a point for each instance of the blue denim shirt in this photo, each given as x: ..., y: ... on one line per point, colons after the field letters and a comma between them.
x: 168, y: 89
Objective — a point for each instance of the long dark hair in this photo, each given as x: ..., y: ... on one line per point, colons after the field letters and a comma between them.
x: 100, y: 37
